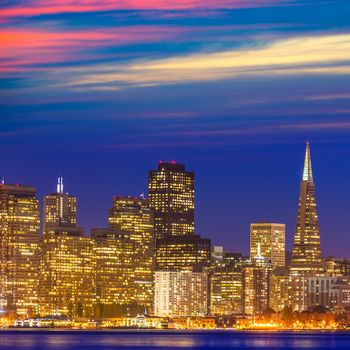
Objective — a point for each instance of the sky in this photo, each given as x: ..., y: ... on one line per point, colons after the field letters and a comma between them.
x: 100, y: 91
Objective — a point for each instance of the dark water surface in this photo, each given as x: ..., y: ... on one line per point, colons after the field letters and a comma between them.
x: 106, y: 340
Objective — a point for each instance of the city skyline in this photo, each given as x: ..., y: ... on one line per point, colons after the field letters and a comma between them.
x: 306, y: 174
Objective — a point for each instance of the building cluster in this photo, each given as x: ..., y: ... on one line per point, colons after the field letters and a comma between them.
x: 148, y: 258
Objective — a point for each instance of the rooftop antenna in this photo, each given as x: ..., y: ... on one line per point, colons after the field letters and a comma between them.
x: 60, y: 185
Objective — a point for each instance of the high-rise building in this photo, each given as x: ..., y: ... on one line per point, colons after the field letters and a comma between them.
x: 171, y: 196
x: 66, y: 272
x: 60, y: 208
x: 256, y: 284
x: 307, y: 257
x: 279, y: 292
x: 176, y: 253
x: 19, y: 248
x: 226, y: 285
x: 134, y: 217
x: 272, y: 238
x: 181, y: 293
x: 67, y: 260
x: 114, y: 254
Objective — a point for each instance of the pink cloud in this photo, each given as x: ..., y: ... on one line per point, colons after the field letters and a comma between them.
x: 31, y: 46
x: 40, y: 7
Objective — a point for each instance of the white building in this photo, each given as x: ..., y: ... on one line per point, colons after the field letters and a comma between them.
x: 181, y: 293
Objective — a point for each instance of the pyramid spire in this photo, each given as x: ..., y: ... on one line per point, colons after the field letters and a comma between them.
x: 307, y: 172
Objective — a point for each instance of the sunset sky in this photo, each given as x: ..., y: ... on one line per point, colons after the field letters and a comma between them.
x: 101, y: 90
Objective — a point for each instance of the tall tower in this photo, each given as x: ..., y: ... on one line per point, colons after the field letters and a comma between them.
x: 19, y: 248
x: 171, y: 196
x: 307, y: 256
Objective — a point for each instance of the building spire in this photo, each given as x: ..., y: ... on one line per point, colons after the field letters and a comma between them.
x: 307, y: 173
x: 60, y: 184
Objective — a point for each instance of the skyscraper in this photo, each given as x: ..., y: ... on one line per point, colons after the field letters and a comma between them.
x: 66, y: 259
x: 171, y: 195
x: 60, y: 208
x: 272, y: 238
x: 19, y: 248
x: 134, y: 217
x: 306, y: 256
x: 114, y: 253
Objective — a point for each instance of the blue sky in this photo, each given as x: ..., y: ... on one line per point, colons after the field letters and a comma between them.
x: 101, y: 90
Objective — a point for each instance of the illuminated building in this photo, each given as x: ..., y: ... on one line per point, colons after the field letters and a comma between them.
x: 67, y: 260
x: 278, y: 291
x: 337, y: 267
x: 306, y: 257
x: 171, y: 196
x: 66, y: 272
x: 181, y: 293
x: 178, y: 253
x: 60, y: 209
x: 114, y: 254
x: 256, y: 276
x: 226, y: 287
x: 134, y: 217
x: 19, y: 248
x: 331, y: 292
x: 272, y: 239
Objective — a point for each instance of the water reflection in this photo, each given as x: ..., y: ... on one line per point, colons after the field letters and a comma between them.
x: 69, y: 340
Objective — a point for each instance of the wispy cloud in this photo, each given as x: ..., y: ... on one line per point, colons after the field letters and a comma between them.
x: 303, y: 55
x: 41, y: 7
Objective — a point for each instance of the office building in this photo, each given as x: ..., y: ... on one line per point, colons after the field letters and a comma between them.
x: 19, y: 248
x: 177, y: 253
x: 134, y: 217
x: 272, y: 239
x: 171, y: 196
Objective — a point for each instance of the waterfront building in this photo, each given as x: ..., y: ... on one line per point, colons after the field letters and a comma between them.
x: 66, y: 260
x: 272, y: 238
x: 306, y: 256
x: 115, y: 259
x: 332, y: 293
x: 177, y: 253
x: 134, y: 217
x: 181, y: 293
x: 19, y: 248
x: 226, y: 290
x: 171, y: 196
x: 278, y: 290
x: 66, y: 272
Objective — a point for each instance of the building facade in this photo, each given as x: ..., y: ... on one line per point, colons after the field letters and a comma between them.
x: 181, y: 293
x: 114, y: 254
x: 66, y: 260
x: 134, y: 217
x: 272, y: 239
x: 171, y: 196
x: 176, y: 253
x: 19, y: 248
